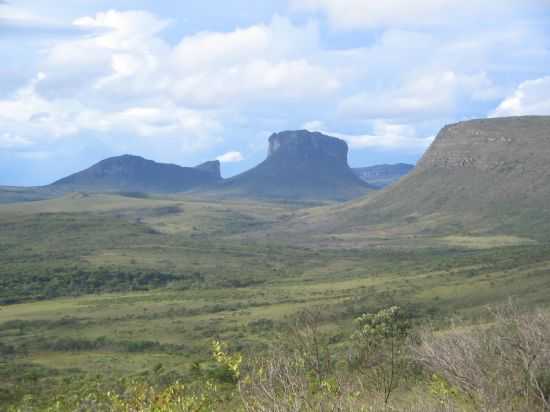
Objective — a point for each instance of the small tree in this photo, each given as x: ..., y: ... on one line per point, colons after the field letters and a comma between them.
x: 310, y: 344
x: 379, y: 347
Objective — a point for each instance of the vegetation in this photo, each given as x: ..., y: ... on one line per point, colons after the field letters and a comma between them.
x: 113, y: 302
x: 501, y: 367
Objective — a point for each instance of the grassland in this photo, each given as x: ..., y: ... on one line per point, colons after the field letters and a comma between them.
x: 103, y: 286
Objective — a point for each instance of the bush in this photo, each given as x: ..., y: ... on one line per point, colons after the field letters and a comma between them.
x: 501, y: 367
x: 379, y: 342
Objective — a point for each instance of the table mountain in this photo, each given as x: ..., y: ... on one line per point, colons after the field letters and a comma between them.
x: 300, y: 165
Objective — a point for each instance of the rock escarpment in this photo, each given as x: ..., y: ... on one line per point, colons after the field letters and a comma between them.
x: 478, y: 175
x: 213, y: 167
x: 301, y: 165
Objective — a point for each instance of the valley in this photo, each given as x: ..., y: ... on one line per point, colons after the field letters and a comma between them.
x: 122, y: 284
x: 107, y: 288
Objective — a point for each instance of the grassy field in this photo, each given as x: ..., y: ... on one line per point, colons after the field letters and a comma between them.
x: 106, y: 286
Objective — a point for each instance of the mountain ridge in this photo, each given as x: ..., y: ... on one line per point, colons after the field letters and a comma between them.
x: 137, y: 174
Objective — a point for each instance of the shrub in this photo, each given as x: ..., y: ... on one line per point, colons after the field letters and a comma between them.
x: 503, y: 366
x: 379, y: 347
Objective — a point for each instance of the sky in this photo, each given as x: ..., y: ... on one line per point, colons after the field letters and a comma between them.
x: 196, y: 80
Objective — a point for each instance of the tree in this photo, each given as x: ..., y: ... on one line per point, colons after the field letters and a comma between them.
x: 379, y: 347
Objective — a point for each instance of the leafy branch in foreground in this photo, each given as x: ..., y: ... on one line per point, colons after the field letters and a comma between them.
x: 379, y: 343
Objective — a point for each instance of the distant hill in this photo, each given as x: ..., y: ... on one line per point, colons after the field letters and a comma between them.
x: 12, y: 194
x: 381, y: 176
x: 479, y: 176
x: 300, y: 165
x: 136, y: 174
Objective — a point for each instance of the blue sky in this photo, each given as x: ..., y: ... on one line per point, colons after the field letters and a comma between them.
x: 185, y: 82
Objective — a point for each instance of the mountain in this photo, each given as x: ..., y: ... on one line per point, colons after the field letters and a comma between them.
x: 135, y: 174
x: 213, y: 167
x: 300, y: 165
x: 479, y: 176
x: 381, y: 176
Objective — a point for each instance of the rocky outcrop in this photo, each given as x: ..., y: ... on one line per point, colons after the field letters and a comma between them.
x: 478, y: 175
x: 301, y: 165
x: 213, y: 167
x: 304, y: 146
x: 488, y: 144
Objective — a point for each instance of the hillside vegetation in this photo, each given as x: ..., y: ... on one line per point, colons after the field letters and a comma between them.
x: 98, y: 288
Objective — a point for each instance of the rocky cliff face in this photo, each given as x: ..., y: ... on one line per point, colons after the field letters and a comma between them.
x: 477, y: 175
x: 213, y: 167
x: 304, y: 146
x: 136, y: 174
x: 490, y: 144
x: 301, y: 165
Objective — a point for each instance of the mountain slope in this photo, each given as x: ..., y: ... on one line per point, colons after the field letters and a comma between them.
x: 381, y: 176
x: 300, y: 165
x: 479, y: 176
x: 136, y: 174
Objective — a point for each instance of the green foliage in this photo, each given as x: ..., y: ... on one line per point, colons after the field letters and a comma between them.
x: 208, y: 392
x: 442, y: 390
x: 230, y: 364
x: 379, y: 341
x: 112, y: 286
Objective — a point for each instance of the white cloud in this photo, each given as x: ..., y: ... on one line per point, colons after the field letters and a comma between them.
x: 126, y: 80
x: 129, y: 59
x: 350, y: 14
x: 258, y: 63
x: 530, y: 98
x: 256, y: 81
x: 10, y: 141
x: 314, y: 125
x: 29, y: 114
x: 387, y: 136
x: 231, y: 157
x: 425, y: 95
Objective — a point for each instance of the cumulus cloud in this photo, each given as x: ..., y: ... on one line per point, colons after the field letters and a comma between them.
x: 424, y: 95
x: 352, y: 14
x: 28, y: 113
x: 16, y: 21
x: 258, y: 63
x: 127, y: 79
x: 314, y: 125
x: 231, y: 157
x: 131, y: 60
x: 532, y: 97
x: 386, y: 136
x: 11, y: 141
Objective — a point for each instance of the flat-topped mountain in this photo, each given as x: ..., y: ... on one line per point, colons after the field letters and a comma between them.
x: 301, y: 165
x: 136, y: 174
x: 380, y: 176
x: 478, y: 176
x: 213, y: 167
